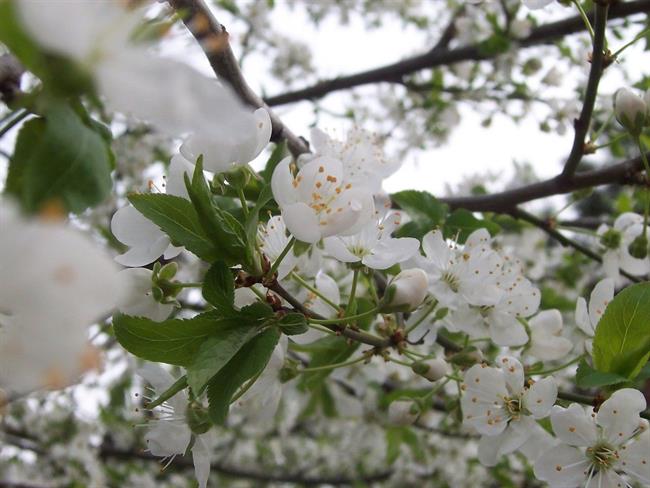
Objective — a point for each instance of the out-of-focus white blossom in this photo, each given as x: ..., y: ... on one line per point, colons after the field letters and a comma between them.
x: 616, y: 242
x: 55, y: 283
x: 546, y: 341
x: 631, y: 110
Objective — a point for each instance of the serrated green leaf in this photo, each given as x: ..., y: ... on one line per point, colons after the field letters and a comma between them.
x: 174, y: 341
x: 251, y: 360
x: 58, y: 157
x: 177, y: 218
x: 215, y: 352
x: 219, y: 288
x: 224, y: 231
x: 461, y: 223
x: 622, y: 339
x: 425, y: 210
x: 587, y: 377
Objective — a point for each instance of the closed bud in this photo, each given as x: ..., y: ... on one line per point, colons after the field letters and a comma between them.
x: 238, y: 177
x: 288, y: 371
x: 431, y: 370
x: 407, y: 290
x: 638, y: 248
x: 611, y: 239
x: 630, y: 110
x: 467, y: 358
x: 403, y: 412
x: 197, y: 419
x: 168, y: 271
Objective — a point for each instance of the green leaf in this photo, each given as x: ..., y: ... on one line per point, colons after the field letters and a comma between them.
x: 177, y: 218
x: 587, y: 377
x: 215, y: 352
x: 219, y: 288
x: 59, y: 158
x: 293, y: 324
x: 254, y: 214
x: 249, y: 362
x: 174, y: 341
x: 462, y: 223
x: 425, y: 211
x: 393, y: 444
x: 622, y: 340
x: 278, y: 154
x: 224, y: 231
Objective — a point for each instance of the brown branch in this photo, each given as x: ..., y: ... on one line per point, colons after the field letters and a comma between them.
x: 350, y: 333
x: 505, y: 201
x: 544, y: 34
x: 549, y: 228
x: 263, y: 476
x: 598, y: 64
x: 213, y: 39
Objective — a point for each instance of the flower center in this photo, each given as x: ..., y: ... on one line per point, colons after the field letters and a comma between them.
x: 452, y: 281
x: 602, y: 456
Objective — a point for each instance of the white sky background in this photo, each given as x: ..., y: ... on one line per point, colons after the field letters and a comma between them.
x: 346, y: 49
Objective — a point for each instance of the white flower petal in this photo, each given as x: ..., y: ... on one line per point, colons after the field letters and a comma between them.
x: 574, y: 425
x: 540, y: 397
x: 602, y: 294
x: 619, y: 414
x: 562, y: 467
x: 302, y: 222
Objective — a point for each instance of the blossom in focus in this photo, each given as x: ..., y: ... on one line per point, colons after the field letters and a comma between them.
x: 587, y: 317
x: 599, y: 449
x: 362, y: 155
x: 318, y: 202
x: 373, y: 245
x: 273, y: 239
x: 498, y: 404
x: 169, y: 434
x: 56, y: 282
x: 460, y: 276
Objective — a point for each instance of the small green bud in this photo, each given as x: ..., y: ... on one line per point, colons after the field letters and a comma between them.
x: 168, y: 271
x: 197, y: 418
x: 238, y: 177
x: 639, y: 247
x: 288, y: 371
x: 156, y: 269
x: 441, y: 313
x: 611, y: 239
x: 157, y: 293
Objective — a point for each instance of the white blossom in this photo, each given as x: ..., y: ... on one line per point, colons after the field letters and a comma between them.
x: 587, y: 318
x: 599, y: 449
x: 373, y: 245
x: 410, y: 288
x: 55, y: 283
x: 273, y: 239
x: 318, y: 202
x: 616, y: 241
x: 501, y: 408
x: 169, y: 435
